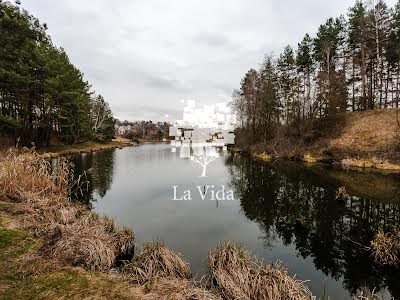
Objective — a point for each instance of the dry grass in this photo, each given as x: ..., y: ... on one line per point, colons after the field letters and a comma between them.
x: 73, y: 235
x: 374, y: 131
x: 375, y: 163
x: 164, y: 275
x: 367, y: 294
x: 235, y: 274
x: 262, y: 156
x: 91, y: 146
x: 179, y: 289
x: 155, y: 260
x: 386, y: 248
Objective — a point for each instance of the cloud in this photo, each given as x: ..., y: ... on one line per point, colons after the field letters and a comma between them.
x: 212, y: 39
x: 145, y: 56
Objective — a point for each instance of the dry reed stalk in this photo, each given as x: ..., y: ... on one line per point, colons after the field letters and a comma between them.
x: 179, y: 289
x: 367, y: 294
x: 155, y: 260
x: 386, y: 248
x: 235, y: 274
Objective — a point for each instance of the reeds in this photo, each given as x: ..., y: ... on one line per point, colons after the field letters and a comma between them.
x: 26, y: 175
x: 367, y: 294
x: 156, y: 261
x: 235, y: 274
x: 386, y: 248
x: 179, y: 289
x: 73, y: 235
x: 165, y: 275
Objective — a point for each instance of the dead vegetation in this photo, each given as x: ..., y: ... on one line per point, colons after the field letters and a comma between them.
x: 369, y: 134
x: 341, y: 194
x: 235, y: 274
x: 369, y: 163
x: 155, y: 260
x: 367, y: 294
x: 91, y: 146
x: 179, y: 289
x: 386, y: 248
x: 73, y: 235
x: 164, y: 274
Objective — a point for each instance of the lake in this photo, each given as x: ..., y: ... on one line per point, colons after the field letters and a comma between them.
x: 282, y: 211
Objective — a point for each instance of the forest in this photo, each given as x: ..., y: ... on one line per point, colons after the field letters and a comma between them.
x: 351, y: 64
x: 43, y: 96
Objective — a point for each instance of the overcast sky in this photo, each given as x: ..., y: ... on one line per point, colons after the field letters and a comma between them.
x: 145, y: 56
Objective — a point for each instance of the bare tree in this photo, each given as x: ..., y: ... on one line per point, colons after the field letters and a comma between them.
x: 100, y: 113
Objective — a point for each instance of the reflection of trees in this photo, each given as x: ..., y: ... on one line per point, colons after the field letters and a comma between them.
x: 102, y: 170
x: 97, y: 169
x: 333, y: 234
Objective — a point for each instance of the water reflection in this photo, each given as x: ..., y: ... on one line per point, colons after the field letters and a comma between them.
x: 95, y: 173
x: 285, y: 211
x: 297, y: 205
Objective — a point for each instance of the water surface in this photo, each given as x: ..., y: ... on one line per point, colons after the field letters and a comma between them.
x: 283, y: 211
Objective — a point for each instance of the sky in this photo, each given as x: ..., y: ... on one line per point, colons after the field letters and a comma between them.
x: 147, y: 56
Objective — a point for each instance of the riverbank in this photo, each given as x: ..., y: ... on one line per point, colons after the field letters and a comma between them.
x: 86, y: 147
x: 53, y: 248
x: 368, y: 140
x: 23, y: 275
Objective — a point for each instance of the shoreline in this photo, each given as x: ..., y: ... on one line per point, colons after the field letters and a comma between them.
x: 91, y: 146
x: 349, y: 163
x: 86, y: 147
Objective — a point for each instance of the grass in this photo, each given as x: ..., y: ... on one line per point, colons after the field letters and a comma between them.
x: 262, y: 156
x: 370, y: 133
x: 73, y: 235
x: 164, y: 274
x: 386, y: 248
x: 235, y: 274
x: 13, y: 244
x: 156, y: 260
x: 20, y: 279
x: 90, y: 146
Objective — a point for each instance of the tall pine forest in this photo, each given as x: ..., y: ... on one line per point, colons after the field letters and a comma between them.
x: 43, y: 96
x: 351, y: 64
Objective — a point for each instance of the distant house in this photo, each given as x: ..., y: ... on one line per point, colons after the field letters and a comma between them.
x: 142, y: 129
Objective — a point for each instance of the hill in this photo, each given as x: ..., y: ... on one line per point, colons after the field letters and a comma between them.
x: 367, y: 139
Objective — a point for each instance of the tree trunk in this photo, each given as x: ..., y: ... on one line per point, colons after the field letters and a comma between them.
x: 353, y: 100
x: 387, y: 86
x: 363, y: 78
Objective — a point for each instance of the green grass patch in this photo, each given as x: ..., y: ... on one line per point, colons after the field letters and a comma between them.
x: 67, y: 283
x: 13, y: 244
